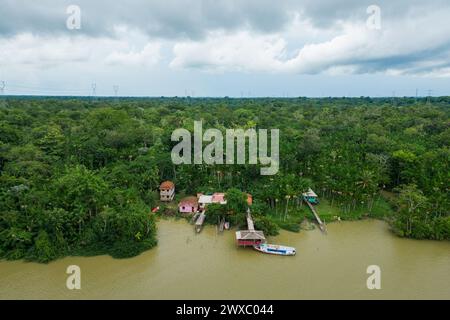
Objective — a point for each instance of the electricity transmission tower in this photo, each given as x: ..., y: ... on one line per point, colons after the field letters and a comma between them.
x: 2, y: 91
x: 429, y: 93
x: 94, y: 89
x: 116, y: 90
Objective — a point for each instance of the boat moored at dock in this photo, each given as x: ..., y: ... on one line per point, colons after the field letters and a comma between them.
x: 275, y: 249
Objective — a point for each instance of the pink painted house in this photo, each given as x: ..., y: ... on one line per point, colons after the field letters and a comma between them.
x: 188, y: 205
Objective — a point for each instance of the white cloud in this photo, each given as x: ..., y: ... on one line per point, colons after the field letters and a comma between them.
x: 416, y: 42
x: 148, y: 56
x: 407, y: 46
x: 233, y: 52
x: 277, y: 41
x: 40, y: 51
x: 252, y: 52
x: 28, y: 49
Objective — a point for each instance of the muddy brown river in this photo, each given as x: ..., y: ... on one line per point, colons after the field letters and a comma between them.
x: 208, y: 265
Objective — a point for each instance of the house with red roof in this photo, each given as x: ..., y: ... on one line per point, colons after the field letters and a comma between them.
x: 167, y: 191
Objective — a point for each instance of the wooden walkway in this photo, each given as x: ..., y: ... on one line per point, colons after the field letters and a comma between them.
x: 250, y: 224
x: 222, y: 225
x: 195, y: 217
x: 251, y: 236
x: 322, y: 225
x: 199, y: 222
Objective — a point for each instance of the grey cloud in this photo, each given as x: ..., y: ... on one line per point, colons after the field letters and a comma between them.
x: 325, y: 14
x: 166, y: 19
x: 190, y: 19
x: 193, y: 20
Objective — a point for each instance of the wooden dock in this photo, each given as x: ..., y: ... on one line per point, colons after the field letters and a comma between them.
x: 222, y: 225
x: 195, y: 217
x: 199, y: 222
x: 250, y: 224
x: 322, y: 225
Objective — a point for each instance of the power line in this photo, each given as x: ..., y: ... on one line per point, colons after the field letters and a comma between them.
x: 429, y: 92
x: 40, y: 89
x: 393, y: 98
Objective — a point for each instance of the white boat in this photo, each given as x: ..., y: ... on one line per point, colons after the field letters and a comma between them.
x: 275, y: 249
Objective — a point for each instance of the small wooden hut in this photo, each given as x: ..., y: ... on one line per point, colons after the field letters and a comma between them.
x: 250, y: 237
x: 311, y: 197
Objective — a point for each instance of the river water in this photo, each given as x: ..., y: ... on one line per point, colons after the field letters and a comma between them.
x: 186, y: 265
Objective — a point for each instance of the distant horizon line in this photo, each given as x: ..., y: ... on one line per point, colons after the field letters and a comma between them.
x: 213, y: 97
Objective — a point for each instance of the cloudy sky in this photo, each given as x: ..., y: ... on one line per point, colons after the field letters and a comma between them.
x: 226, y: 47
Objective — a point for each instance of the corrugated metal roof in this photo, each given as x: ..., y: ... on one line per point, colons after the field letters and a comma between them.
x: 310, y: 193
x: 250, y: 235
x: 205, y: 199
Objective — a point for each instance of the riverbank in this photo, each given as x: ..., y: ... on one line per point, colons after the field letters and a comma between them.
x: 300, y: 217
x: 210, y: 266
x: 295, y: 217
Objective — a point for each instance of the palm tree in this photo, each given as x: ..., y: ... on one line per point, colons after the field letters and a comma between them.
x: 367, y: 185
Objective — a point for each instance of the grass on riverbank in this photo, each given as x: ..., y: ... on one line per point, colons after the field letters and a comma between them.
x: 327, y: 212
x: 292, y: 220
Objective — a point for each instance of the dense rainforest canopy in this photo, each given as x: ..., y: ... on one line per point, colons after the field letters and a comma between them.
x: 80, y: 175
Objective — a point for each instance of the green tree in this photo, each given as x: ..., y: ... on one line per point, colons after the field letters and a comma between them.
x: 236, y: 201
x: 412, y: 205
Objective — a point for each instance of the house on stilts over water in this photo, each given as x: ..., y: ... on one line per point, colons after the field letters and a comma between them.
x: 250, y: 237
